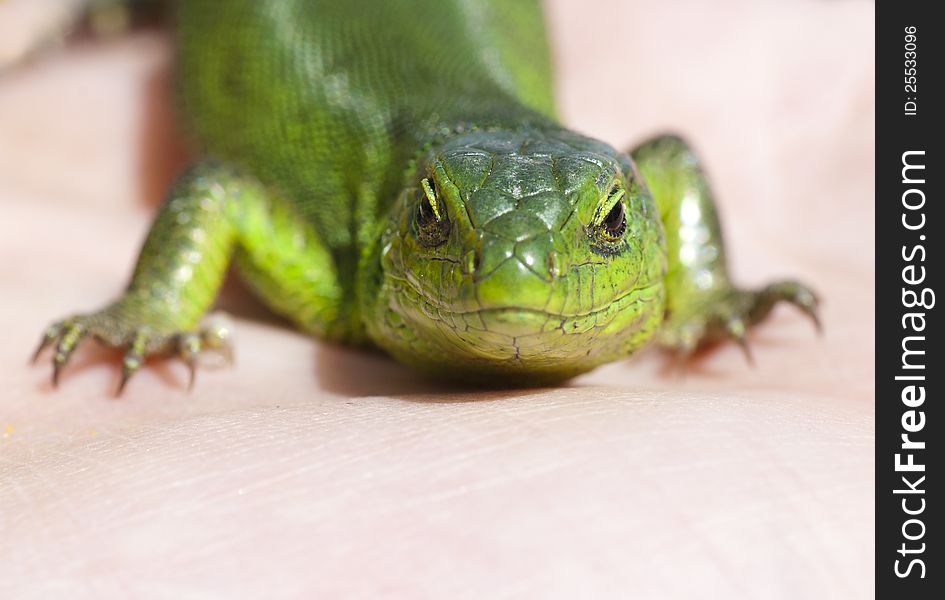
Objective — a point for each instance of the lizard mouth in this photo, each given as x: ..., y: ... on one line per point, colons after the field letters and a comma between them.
x: 511, y: 345
x: 513, y: 322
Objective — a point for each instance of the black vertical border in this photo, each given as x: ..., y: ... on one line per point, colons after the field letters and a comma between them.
x: 896, y: 249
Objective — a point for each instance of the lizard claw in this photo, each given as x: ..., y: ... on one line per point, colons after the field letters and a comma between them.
x: 68, y: 334
x: 133, y: 357
x: 738, y: 331
x: 126, y: 373
x: 216, y: 334
x: 729, y: 313
x: 49, y: 336
x: 138, y: 341
x: 188, y: 347
x: 795, y: 293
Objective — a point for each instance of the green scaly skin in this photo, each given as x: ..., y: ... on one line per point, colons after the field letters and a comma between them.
x: 392, y: 174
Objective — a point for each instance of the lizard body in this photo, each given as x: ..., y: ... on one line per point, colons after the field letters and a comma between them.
x: 393, y: 174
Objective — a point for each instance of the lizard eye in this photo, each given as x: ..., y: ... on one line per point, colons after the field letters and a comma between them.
x: 433, y: 226
x: 426, y: 213
x: 615, y: 222
x: 608, y: 228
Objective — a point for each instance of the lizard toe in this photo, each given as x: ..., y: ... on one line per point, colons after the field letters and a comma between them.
x: 794, y: 293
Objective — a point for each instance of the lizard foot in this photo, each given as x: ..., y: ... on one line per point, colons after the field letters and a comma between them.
x: 138, y: 341
x: 728, y: 314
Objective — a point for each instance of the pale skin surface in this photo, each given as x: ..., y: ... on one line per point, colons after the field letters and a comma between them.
x: 311, y: 467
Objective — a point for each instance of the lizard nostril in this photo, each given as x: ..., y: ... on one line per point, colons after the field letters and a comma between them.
x: 471, y: 262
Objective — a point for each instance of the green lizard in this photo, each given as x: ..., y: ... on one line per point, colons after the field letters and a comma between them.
x: 392, y: 174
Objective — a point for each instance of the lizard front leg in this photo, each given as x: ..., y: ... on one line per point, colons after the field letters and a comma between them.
x: 211, y: 212
x: 703, y: 306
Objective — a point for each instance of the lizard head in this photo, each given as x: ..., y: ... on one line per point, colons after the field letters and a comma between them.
x: 524, y: 256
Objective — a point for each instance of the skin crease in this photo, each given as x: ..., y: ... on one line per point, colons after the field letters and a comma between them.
x: 308, y: 466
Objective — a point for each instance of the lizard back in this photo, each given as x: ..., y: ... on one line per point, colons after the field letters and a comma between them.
x: 326, y: 101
